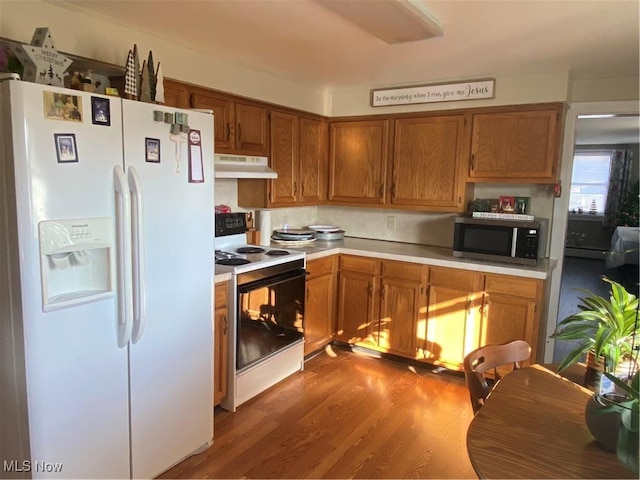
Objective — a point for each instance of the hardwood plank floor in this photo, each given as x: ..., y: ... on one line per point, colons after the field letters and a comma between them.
x: 345, y: 416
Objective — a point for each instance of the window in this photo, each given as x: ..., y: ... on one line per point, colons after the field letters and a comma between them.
x: 590, y: 181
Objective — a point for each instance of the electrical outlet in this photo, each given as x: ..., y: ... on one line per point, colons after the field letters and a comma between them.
x: 391, y: 222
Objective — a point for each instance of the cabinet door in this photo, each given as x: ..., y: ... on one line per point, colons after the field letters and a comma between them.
x: 516, y: 146
x: 318, y: 313
x: 284, y: 158
x: 313, y: 161
x: 220, y: 342
x: 400, y: 309
x: 356, y: 312
x: 508, y: 318
x: 427, y: 159
x: 176, y: 94
x: 251, y: 129
x: 223, y: 117
x: 453, y: 315
x: 220, y: 352
x: 357, y: 161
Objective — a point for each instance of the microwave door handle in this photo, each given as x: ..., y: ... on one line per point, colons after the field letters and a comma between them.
x: 514, y: 242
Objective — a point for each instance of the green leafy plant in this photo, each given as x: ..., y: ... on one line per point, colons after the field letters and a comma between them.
x: 629, y: 409
x: 605, y: 327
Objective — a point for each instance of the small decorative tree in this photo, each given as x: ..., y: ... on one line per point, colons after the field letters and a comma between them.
x: 628, y: 214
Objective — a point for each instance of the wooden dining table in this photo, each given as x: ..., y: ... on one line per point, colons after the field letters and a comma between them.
x: 532, y: 425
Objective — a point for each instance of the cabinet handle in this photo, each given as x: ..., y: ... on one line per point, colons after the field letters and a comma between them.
x: 473, y: 162
x: 226, y: 325
x: 228, y: 131
x: 370, y: 288
x: 383, y: 293
x: 302, y: 188
x: 393, y: 191
x: 382, y: 190
x: 307, y: 294
x: 239, y: 133
x: 295, y: 188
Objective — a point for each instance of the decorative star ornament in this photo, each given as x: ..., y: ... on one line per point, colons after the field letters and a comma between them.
x: 42, y: 63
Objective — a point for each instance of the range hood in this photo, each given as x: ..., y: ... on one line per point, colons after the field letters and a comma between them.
x: 242, y: 166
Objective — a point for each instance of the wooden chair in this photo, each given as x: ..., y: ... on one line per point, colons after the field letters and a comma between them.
x: 487, y: 358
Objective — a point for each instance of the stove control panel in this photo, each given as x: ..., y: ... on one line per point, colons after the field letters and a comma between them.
x: 230, y: 224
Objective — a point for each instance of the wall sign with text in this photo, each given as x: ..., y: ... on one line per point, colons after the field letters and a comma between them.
x: 448, y: 92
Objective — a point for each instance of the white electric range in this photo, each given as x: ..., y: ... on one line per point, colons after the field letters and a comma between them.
x: 267, y: 291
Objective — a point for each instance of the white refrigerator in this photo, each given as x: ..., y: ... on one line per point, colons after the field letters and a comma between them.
x: 106, y: 273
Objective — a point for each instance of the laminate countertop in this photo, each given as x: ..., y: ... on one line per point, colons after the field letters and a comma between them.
x: 409, y: 252
x: 424, y: 254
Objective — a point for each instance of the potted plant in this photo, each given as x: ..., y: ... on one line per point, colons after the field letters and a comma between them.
x: 605, y: 331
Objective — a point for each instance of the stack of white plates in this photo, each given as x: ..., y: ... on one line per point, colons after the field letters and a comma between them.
x: 327, y: 232
x: 293, y: 237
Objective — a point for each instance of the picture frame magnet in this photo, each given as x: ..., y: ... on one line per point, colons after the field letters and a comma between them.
x: 168, y: 118
x: 175, y: 129
x: 158, y: 116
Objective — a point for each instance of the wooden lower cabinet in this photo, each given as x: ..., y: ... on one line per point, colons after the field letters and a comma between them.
x: 319, y: 304
x: 220, y: 341
x: 434, y: 314
x: 381, y: 304
x: 356, y: 313
x: 454, y: 317
x: 403, y: 306
x: 512, y: 310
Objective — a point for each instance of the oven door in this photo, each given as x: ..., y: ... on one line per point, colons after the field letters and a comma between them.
x: 270, y: 316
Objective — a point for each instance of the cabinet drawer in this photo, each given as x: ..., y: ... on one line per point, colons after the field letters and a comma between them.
x: 513, y: 286
x: 454, y: 278
x: 321, y: 266
x: 402, y: 270
x: 221, y: 294
x: 359, y: 264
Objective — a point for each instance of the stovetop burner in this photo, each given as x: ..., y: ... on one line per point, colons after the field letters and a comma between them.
x: 233, y: 261
x: 250, y: 250
x: 277, y: 253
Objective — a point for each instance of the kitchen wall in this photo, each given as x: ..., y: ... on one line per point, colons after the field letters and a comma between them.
x: 410, y: 227
x: 509, y: 90
x: 97, y: 38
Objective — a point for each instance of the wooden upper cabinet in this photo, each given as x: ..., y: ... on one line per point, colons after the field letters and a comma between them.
x: 313, y: 161
x: 284, y: 158
x: 427, y: 163
x: 251, y: 129
x: 516, y: 145
x: 176, y: 94
x: 238, y: 127
x: 223, y: 117
x: 358, y: 154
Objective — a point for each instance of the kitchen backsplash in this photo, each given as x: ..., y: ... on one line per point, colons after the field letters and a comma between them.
x: 395, y: 225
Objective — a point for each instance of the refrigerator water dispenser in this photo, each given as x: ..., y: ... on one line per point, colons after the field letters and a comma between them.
x: 76, y: 261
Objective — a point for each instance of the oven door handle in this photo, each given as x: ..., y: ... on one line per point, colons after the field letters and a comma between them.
x: 271, y: 281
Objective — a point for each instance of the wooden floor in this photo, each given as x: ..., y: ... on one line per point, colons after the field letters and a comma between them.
x: 345, y: 416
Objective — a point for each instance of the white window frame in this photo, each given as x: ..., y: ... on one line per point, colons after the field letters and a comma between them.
x: 608, y: 152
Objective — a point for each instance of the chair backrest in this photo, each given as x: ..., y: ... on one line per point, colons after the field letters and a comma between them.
x: 490, y: 357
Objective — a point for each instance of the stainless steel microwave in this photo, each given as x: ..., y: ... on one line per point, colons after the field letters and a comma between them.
x: 509, y: 241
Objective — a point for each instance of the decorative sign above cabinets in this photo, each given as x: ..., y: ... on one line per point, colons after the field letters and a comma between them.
x: 446, y: 92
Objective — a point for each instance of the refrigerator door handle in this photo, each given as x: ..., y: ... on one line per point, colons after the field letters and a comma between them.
x: 123, y: 242
x: 137, y: 248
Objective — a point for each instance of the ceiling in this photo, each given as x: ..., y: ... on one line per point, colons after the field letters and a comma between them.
x: 306, y: 43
